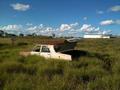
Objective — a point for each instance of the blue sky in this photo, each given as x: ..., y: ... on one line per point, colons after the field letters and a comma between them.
x: 62, y: 17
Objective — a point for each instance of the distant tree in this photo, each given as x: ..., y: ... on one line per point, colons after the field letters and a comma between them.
x: 21, y: 35
x: 53, y: 35
x: 11, y: 35
x: 34, y: 34
x: 1, y: 33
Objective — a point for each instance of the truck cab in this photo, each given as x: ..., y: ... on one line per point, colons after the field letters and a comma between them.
x: 48, y: 51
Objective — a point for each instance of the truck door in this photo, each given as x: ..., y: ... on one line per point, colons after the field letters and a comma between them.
x: 45, y: 52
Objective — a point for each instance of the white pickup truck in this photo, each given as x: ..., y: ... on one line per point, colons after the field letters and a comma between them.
x: 47, y: 51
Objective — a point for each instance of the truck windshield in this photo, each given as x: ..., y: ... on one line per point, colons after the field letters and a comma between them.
x: 36, y: 49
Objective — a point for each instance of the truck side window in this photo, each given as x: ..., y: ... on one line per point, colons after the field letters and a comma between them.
x: 45, y: 49
x: 37, y: 49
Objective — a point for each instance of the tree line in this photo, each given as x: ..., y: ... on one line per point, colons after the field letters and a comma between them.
x: 5, y: 34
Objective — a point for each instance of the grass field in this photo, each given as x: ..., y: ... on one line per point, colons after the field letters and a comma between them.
x: 99, y: 69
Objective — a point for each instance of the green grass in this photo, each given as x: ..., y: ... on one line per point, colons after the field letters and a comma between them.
x: 98, y: 70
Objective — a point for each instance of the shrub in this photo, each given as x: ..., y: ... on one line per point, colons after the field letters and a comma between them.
x: 15, y: 67
x: 20, y: 82
x: 22, y: 44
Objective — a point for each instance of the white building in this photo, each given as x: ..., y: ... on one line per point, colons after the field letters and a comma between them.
x: 96, y: 36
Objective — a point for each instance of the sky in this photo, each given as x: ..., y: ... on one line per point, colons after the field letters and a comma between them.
x: 61, y: 17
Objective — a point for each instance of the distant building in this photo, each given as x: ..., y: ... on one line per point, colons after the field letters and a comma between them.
x: 97, y: 36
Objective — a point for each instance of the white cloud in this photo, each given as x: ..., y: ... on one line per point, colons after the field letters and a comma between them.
x: 32, y: 28
x: 41, y: 26
x: 107, y: 22
x: 100, y: 12
x: 117, y: 21
x: 20, y: 7
x: 106, y: 32
x: 97, y: 29
x: 12, y: 28
x: 40, y: 30
x: 74, y: 24
x: 65, y: 27
x: 87, y: 28
x: 29, y: 24
x: 85, y: 18
x: 73, y: 29
x: 115, y: 8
